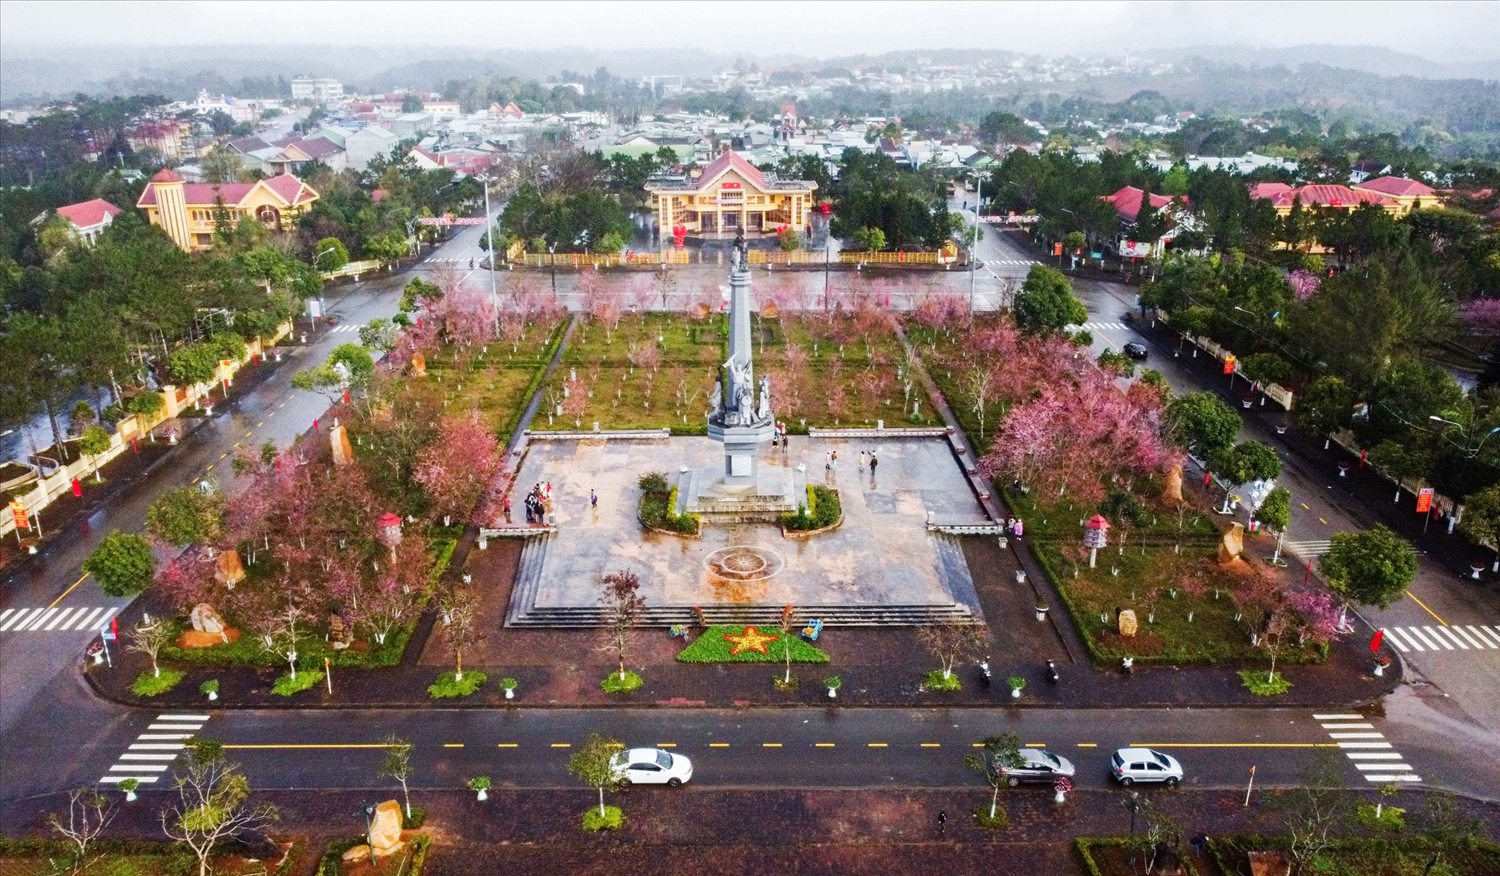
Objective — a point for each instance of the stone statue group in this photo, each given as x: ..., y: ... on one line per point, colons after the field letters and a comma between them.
x: 738, y: 408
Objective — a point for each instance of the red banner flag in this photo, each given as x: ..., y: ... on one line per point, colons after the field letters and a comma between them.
x: 1424, y: 500
x: 1375, y: 642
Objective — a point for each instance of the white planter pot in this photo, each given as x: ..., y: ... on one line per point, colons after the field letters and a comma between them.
x: 484, y: 794
x: 129, y: 796
x: 833, y: 693
x: 1020, y: 576
x: 1015, y: 693
x: 510, y: 693
x: 1379, y: 670
x: 1059, y: 797
x: 1041, y: 614
x: 213, y: 695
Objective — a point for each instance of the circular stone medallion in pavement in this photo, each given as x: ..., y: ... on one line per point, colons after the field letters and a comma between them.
x: 742, y: 573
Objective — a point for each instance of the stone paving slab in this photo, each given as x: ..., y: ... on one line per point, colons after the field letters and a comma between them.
x: 881, y: 555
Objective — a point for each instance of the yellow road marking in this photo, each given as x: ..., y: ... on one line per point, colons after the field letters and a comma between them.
x: 562, y: 745
x: 309, y: 745
x: 1305, y: 508
x: 196, y: 480
x: 770, y: 745
x: 1088, y: 745
x: 932, y: 745
x: 1234, y: 745
x: 1036, y: 745
x: 1322, y: 521
x: 225, y: 455
x: 878, y: 745
x: 69, y: 590
x: 1425, y: 608
x: 261, y: 423
x: 251, y: 432
x: 822, y: 744
x: 718, y: 745
x: 453, y: 745
x: 210, y: 467
x: 506, y: 745
x: 271, y: 414
x: 979, y: 745
x: 666, y: 745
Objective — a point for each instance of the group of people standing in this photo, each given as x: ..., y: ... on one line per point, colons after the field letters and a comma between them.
x: 867, y: 459
x: 538, y: 501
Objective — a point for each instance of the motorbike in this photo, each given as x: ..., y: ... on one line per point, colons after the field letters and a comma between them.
x: 1052, y: 675
x: 984, y: 672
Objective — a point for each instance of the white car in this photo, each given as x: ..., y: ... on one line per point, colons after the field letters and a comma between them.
x: 1131, y: 765
x: 652, y: 766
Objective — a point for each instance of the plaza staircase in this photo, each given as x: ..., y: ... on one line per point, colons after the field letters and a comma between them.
x: 523, y: 611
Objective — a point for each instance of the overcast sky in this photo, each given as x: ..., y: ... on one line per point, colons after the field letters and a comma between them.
x: 1441, y: 31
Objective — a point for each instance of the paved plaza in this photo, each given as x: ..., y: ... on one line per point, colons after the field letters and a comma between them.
x: 882, y: 555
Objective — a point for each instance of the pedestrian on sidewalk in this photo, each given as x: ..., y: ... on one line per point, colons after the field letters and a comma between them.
x: 833, y: 460
x: 1199, y: 843
x: 1019, y: 528
x: 942, y: 822
x: 863, y: 458
x: 505, y: 506
x: 828, y: 461
x: 593, y: 499
x: 873, y: 462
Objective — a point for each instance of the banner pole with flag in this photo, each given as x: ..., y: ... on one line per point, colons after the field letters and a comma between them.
x: 1249, y: 786
x: 1378, y: 638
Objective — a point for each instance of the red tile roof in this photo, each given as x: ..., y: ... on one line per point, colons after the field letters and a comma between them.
x: 1127, y: 202
x: 88, y: 213
x: 165, y: 175
x: 1282, y: 195
x: 288, y: 187
x: 1397, y: 187
x: 731, y: 160
x: 285, y: 186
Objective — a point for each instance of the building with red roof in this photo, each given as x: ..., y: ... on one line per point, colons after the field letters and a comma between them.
x: 187, y: 211
x: 89, y: 219
x: 1329, y: 197
x: 1408, y: 194
x: 728, y: 195
x: 1127, y: 202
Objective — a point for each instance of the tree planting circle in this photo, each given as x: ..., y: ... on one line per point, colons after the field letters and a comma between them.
x: 744, y: 563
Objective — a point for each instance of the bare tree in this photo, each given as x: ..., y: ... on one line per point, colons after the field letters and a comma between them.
x: 397, y: 765
x: 89, y: 813
x: 950, y: 641
x: 1162, y: 833
x: 624, y: 609
x: 282, y: 635
x: 149, y: 637
x: 211, y: 803
x: 1315, y: 809
x: 459, y: 612
x: 979, y: 387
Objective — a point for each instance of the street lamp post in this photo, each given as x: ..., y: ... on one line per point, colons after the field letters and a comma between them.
x: 552, y: 251
x: 489, y: 235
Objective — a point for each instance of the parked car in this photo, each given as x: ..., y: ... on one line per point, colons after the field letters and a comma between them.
x: 1131, y: 765
x: 1136, y: 350
x: 652, y: 766
x: 1041, y: 766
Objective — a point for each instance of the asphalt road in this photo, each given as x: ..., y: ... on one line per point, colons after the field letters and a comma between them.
x: 750, y: 748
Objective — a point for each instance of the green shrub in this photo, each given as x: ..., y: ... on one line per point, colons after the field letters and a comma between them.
x: 659, y: 504
x: 612, y: 819
x: 416, y: 819
x: 821, y: 511
x: 1391, y: 817
x: 148, y: 685
x: 1262, y: 685
x: 982, y: 816
x: 285, y: 686
x: 936, y: 681
x: 712, y: 647
x: 447, y: 686
x: 613, y: 683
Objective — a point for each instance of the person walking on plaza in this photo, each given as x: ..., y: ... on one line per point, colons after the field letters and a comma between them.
x: 593, y: 499
x: 505, y: 506
x: 863, y: 457
x: 828, y: 461
x: 873, y: 462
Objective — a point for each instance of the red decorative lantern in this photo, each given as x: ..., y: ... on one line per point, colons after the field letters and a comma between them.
x: 388, y: 529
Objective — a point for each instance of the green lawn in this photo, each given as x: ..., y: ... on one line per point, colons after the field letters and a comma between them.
x: 712, y: 647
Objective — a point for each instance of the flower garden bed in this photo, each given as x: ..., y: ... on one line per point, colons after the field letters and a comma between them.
x: 729, y: 643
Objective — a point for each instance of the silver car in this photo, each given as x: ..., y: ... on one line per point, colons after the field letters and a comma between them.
x: 1041, y: 766
x: 1131, y: 765
x: 652, y: 766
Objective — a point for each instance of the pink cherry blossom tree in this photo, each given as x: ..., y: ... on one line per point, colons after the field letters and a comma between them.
x: 455, y: 468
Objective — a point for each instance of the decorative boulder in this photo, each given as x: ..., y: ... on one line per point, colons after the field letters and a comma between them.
x: 343, y: 453
x: 206, y: 620
x: 1173, y: 490
x: 418, y: 365
x: 228, y: 570
x: 769, y: 310
x: 339, y: 633
x: 1127, y: 623
x: 360, y: 852
x: 385, y: 828
x: 1232, y: 545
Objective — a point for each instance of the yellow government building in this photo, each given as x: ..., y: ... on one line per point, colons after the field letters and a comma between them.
x: 186, y: 210
x: 730, y: 194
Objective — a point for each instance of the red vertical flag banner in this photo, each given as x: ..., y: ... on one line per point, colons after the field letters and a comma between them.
x: 1378, y: 638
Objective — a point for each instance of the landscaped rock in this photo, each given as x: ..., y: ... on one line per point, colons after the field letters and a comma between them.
x: 343, y: 453
x: 200, y: 639
x: 206, y: 620
x: 358, y: 853
x: 1173, y: 490
x: 228, y: 570
x: 385, y: 828
x: 418, y: 365
x: 1232, y: 545
x: 1127, y: 623
x: 1269, y: 863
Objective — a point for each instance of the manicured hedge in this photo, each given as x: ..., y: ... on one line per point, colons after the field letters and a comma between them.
x: 821, y: 511
x: 712, y: 647
x: 658, y: 506
x: 1373, y: 856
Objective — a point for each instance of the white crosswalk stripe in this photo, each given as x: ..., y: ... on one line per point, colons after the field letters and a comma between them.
x: 441, y: 259
x: 345, y: 328
x: 147, y: 756
x: 1011, y: 262
x: 55, y: 620
x: 1314, y: 548
x: 1381, y: 765
x: 1445, y: 638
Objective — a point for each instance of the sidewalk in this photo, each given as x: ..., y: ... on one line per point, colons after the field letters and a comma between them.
x: 699, y: 830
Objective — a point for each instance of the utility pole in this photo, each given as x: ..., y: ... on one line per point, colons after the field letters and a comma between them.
x: 489, y: 233
x: 974, y: 249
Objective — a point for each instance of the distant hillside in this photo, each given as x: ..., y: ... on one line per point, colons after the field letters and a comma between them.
x: 1366, y: 59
